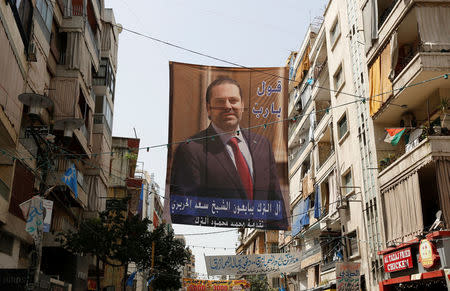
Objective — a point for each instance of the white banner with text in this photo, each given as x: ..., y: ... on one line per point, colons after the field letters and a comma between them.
x: 253, y: 264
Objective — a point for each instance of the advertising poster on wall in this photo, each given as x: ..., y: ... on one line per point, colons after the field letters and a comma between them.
x: 227, y: 156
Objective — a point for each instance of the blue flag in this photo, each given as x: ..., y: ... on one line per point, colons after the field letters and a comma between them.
x: 70, y: 179
x: 317, y: 203
x: 131, y: 278
x: 141, y: 200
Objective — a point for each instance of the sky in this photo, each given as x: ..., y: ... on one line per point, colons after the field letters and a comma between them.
x: 252, y: 33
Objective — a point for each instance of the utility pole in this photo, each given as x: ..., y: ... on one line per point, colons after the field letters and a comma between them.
x: 44, y: 160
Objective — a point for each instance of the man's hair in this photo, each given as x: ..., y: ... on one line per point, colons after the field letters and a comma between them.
x: 220, y: 81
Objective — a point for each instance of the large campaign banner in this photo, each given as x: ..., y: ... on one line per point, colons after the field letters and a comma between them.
x: 214, y: 285
x: 253, y: 264
x: 227, y: 154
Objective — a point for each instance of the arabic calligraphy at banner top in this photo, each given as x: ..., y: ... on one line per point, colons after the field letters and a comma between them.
x: 260, y: 110
x: 229, y: 172
x: 253, y: 264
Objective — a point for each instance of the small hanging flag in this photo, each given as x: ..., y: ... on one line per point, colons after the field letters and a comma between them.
x: 130, y: 279
x: 70, y: 179
x: 393, y: 135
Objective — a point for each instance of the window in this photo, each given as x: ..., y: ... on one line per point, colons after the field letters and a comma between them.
x: 24, y: 251
x: 45, y: 9
x: 6, y: 243
x: 23, y: 12
x: 338, y: 78
x: 352, y: 244
x: 342, y: 126
x: 335, y: 32
x: 347, y: 181
x: 105, y: 76
x: 102, y: 106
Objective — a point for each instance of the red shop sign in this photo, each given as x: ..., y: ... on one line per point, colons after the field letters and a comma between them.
x: 428, y: 255
x: 397, y: 261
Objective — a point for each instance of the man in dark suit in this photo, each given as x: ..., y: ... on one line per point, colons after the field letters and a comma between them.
x: 226, y: 162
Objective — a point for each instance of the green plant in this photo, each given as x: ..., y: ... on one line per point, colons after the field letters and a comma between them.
x: 444, y: 104
x: 131, y: 156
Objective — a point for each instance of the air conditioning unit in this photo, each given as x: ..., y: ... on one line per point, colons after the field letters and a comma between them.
x: 31, y: 53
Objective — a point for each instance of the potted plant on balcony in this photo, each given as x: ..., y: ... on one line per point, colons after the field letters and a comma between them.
x: 445, y: 112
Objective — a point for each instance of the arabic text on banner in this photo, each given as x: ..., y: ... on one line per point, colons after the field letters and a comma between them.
x: 196, y: 284
x: 347, y: 276
x: 253, y: 264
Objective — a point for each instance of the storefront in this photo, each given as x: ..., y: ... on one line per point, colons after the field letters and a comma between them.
x: 420, y: 264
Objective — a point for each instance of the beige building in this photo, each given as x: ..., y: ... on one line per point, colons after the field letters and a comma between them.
x: 58, y: 61
x: 407, y: 47
x: 372, y: 194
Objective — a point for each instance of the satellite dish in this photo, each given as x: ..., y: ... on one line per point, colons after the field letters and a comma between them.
x: 68, y: 125
x: 36, y: 102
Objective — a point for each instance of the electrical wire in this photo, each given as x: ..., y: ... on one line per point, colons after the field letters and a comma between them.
x: 262, y: 125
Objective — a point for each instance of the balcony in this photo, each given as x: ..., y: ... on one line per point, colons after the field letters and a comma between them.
x: 59, y: 224
x: 295, y: 154
x: 93, y: 40
x: 100, y: 119
x: 311, y: 256
x: 422, y: 56
x: 413, y: 189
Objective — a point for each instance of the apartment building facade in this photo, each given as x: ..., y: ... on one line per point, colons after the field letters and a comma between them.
x: 407, y: 46
x: 370, y: 66
x: 51, y: 78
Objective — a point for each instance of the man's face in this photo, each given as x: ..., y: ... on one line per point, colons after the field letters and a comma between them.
x: 225, y: 106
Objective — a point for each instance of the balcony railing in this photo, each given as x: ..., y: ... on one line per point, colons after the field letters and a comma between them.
x: 61, y: 223
x: 403, y: 61
x: 312, y: 251
x: 325, y: 266
x: 71, y: 9
x: 385, y: 13
x: 297, y: 153
x: 99, y: 118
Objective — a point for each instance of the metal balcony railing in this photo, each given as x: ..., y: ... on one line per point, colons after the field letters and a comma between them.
x: 297, y: 153
x: 325, y: 266
x: 99, y: 118
x: 312, y: 251
x: 71, y: 9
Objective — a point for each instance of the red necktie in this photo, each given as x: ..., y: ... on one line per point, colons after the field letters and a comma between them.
x: 242, y: 168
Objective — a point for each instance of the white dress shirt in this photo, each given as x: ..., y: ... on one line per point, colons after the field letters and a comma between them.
x: 243, y: 146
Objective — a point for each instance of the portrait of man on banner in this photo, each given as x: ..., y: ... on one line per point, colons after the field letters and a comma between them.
x: 226, y: 174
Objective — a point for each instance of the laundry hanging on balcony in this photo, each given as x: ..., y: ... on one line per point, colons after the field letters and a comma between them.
x: 317, y: 203
x: 379, y: 84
